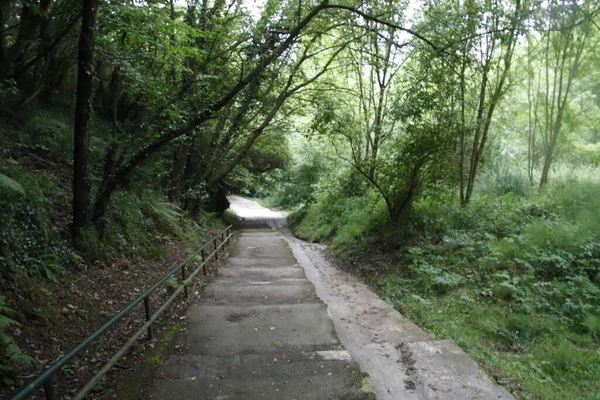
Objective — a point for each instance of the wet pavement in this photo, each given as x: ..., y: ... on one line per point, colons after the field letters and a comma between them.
x: 260, y: 332
x: 281, y: 322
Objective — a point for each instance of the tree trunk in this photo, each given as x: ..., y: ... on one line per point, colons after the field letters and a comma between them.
x: 2, y: 39
x: 545, y: 171
x: 178, y: 169
x: 81, y: 147
x: 25, y: 37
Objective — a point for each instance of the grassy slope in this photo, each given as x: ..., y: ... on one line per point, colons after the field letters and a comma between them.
x: 514, y: 280
x: 44, y: 281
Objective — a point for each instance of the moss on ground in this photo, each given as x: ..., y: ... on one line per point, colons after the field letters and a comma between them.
x: 130, y: 386
x: 361, y: 387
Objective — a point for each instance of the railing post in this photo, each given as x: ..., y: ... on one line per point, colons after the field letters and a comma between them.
x: 204, y: 261
x: 216, y: 251
x: 148, y: 317
x: 49, y: 389
x: 184, y: 277
x: 223, y: 241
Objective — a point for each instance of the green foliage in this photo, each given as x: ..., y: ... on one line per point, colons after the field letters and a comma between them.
x: 591, y: 325
x: 434, y: 278
x: 135, y: 227
x: 152, y: 50
x: 299, y: 183
x: 242, y: 180
x: 11, y: 184
x: 47, y: 131
x: 345, y: 220
x: 502, y: 180
x: 30, y: 240
x: 518, y: 332
x: 11, y: 355
x: 155, y: 252
x: 8, y: 88
x: 514, y: 278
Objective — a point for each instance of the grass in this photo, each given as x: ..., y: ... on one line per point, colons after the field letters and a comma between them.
x: 342, y: 219
x: 534, y: 355
x: 513, y: 279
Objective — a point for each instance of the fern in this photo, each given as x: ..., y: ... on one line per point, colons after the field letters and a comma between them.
x: 164, y: 211
x: 5, y: 322
x: 11, y: 184
x: 11, y: 352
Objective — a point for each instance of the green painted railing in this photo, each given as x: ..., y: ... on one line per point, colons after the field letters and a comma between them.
x: 46, y: 379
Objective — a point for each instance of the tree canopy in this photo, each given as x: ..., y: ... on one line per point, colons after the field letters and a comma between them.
x: 394, y: 107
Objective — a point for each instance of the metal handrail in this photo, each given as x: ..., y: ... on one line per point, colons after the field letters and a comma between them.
x: 46, y: 379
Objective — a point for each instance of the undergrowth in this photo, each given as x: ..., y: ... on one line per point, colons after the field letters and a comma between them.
x: 514, y: 278
x: 35, y: 245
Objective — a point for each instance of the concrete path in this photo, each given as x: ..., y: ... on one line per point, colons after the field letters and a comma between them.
x: 261, y: 332
x: 402, y: 360
x: 266, y: 332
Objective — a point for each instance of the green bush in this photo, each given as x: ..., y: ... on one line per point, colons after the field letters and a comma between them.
x: 155, y: 252
x: 591, y: 325
x: 49, y: 132
x: 31, y: 242
x: 576, y: 298
x: 501, y: 180
x: 299, y: 184
x: 135, y: 224
x: 518, y: 332
x: 344, y: 220
x: 11, y: 355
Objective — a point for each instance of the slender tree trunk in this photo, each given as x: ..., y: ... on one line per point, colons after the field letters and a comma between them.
x: 533, y: 119
x: 463, y: 127
x: 545, y: 171
x: 2, y: 40
x: 377, y: 128
x: 81, y: 147
x: 25, y: 38
x: 179, y: 168
x: 45, y: 39
x: 565, y: 70
x: 474, y: 156
x: 484, y: 119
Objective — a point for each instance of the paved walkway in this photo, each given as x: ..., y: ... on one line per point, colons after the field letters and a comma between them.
x: 261, y: 333
x: 266, y: 332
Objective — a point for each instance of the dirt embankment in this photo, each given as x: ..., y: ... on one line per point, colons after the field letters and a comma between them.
x: 79, y: 304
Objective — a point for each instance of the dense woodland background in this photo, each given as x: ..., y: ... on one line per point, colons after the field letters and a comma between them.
x: 447, y: 150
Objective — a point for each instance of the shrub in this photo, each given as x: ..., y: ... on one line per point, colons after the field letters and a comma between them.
x: 299, y: 184
x: 10, y: 353
x: 30, y: 239
x: 501, y: 180
x: 344, y: 220
x: 576, y: 298
x: 48, y: 132
x: 135, y: 223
